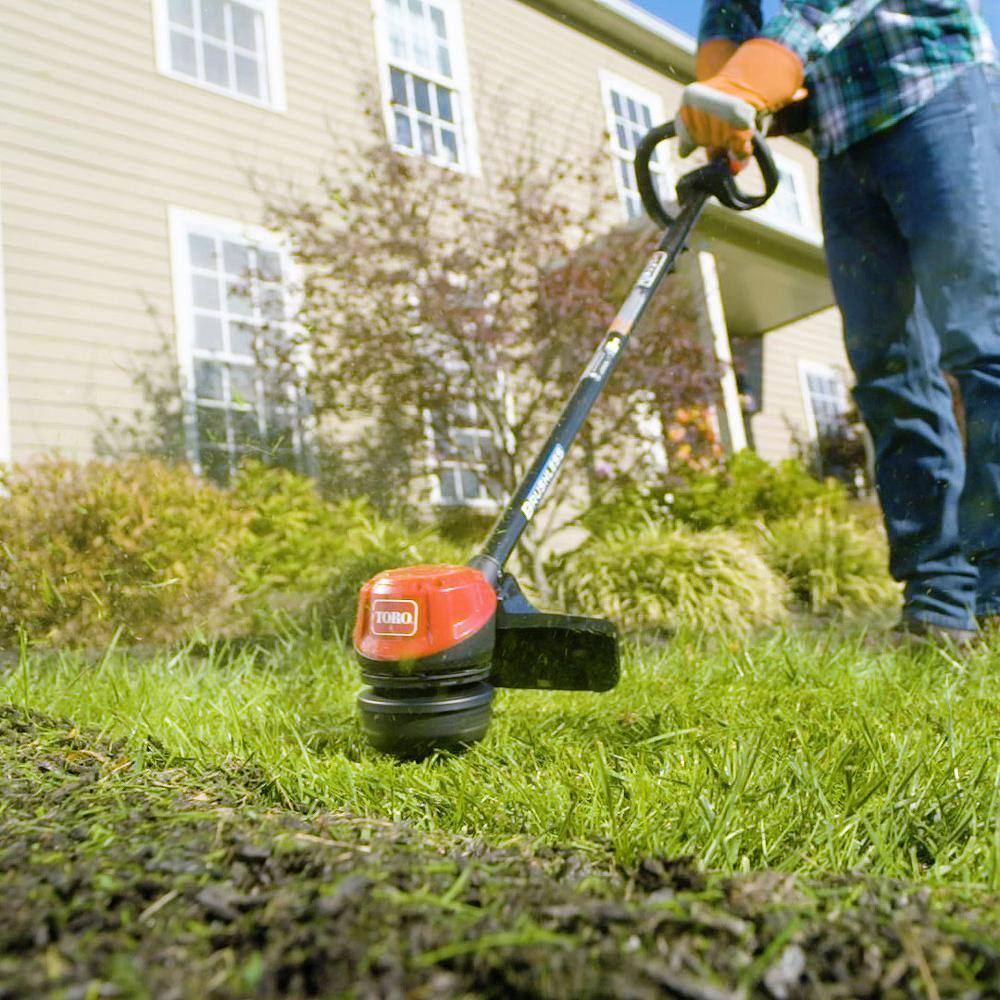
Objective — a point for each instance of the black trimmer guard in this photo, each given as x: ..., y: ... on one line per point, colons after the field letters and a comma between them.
x: 552, y: 652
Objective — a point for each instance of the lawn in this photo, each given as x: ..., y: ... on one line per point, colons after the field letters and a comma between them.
x: 871, y: 777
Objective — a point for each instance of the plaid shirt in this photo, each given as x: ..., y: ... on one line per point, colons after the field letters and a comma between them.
x: 869, y: 63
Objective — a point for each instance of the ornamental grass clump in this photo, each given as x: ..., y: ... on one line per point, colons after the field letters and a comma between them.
x: 137, y: 549
x: 832, y: 562
x: 671, y: 578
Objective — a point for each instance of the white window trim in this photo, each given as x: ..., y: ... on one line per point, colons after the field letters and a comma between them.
x: 180, y: 222
x: 459, y: 82
x: 808, y: 228
x: 807, y: 368
x: 484, y: 504
x: 275, y: 62
x: 6, y: 446
x: 612, y: 81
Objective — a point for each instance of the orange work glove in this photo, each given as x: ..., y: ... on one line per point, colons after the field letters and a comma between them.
x: 721, y: 111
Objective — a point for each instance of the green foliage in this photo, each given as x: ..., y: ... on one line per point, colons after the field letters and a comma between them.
x: 671, y: 578
x: 138, y: 548
x: 831, y: 562
x: 748, y: 490
x: 295, y: 539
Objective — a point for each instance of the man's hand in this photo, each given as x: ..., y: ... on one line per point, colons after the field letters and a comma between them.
x: 720, y: 111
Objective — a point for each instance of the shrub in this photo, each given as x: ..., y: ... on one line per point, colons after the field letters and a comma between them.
x: 671, y: 578
x: 832, y: 562
x: 295, y: 540
x: 139, y: 548
x: 748, y: 490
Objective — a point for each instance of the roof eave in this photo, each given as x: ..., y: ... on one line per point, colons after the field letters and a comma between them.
x: 642, y: 35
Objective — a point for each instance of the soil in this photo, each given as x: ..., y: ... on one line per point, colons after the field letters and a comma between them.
x: 130, y: 875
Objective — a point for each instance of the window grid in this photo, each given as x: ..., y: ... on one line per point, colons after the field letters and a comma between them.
x: 462, y: 450
x: 239, y: 320
x: 630, y: 118
x: 190, y: 41
x: 424, y: 116
x: 826, y: 392
x: 425, y: 99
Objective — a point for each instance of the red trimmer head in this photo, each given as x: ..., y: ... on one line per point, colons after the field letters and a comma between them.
x: 434, y: 641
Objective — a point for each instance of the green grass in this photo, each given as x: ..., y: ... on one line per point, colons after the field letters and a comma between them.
x: 799, y: 751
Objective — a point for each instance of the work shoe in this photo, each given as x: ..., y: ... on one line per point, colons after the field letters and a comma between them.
x: 916, y: 631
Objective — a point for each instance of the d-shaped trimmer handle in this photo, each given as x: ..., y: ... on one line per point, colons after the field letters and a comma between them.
x: 715, y: 179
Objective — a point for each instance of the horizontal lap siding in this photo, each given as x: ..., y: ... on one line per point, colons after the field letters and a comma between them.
x: 94, y: 146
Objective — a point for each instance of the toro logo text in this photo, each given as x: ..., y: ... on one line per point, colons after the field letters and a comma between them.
x: 394, y: 617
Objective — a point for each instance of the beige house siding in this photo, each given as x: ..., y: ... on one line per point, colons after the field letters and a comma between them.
x: 782, y: 416
x: 96, y: 146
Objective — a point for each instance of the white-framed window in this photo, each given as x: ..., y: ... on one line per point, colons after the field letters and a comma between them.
x: 231, y: 47
x: 789, y: 208
x: 463, y: 449
x: 824, y: 394
x: 234, y: 308
x: 425, y: 81
x: 631, y: 112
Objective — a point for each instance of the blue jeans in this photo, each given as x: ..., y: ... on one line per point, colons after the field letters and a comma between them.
x: 911, y: 219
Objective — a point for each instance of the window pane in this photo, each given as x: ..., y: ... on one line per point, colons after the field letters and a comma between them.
x: 437, y: 19
x: 208, y: 333
x: 215, y: 465
x: 633, y: 113
x: 269, y: 265
x: 450, y: 143
x: 427, y: 145
x: 182, y: 57
x: 242, y: 385
x: 238, y: 299
x: 647, y: 118
x: 207, y: 380
x: 244, y: 27
x: 246, y: 428
x: 404, y: 135
x: 444, y: 104
x: 446, y: 480
x: 202, y: 250
x: 470, y: 484
x: 416, y: 7
x: 272, y: 304
x: 247, y: 76
x: 398, y: 83
x: 616, y: 102
x: 236, y: 259
x: 205, y: 292
x: 216, y: 64
x: 444, y: 61
x: 213, y: 18
x: 211, y: 424
x: 241, y: 337
x: 181, y: 13
x: 622, y: 136
x: 422, y: 95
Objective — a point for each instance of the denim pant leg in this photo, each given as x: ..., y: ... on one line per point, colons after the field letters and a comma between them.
x: 900, y: 391
x: 940, y: 173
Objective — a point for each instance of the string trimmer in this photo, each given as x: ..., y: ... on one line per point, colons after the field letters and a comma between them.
x: 434, y: 641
